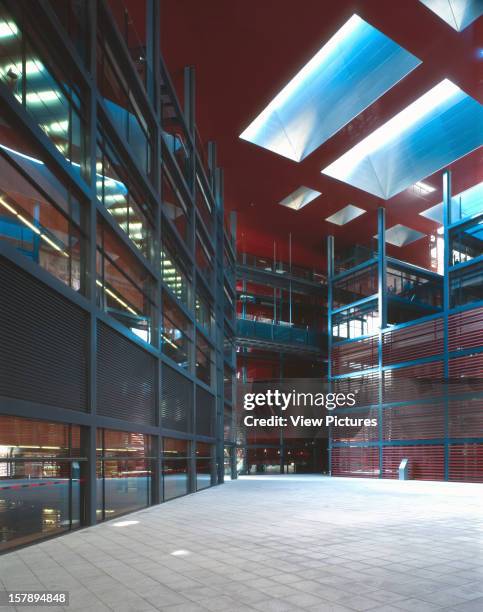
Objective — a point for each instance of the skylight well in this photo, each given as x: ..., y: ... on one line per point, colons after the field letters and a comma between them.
x: 300, y: 198
x: 352, y: 70
x: 438, y: 128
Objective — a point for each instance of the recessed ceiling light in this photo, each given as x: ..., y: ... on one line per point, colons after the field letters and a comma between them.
x: 352, y: 70
x: 457, y: 13
x: 430, y: 133
x: 300, y: 198
x: 346, y: 214
x: 400, y: 235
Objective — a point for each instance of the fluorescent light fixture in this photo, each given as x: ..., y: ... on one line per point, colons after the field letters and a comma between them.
x: 29, y: 225
x: 457, y: 13
x: 441, y: 126
x: 346, y: 214
x: 400, y: 235
x: 31, y: 67
x: 27, y: 157
x: 424, y: 187
x: 300, y: 198
x: 41, y: 97
x: 124, y: 523
x: 8, y: 29
x: 350, y: 72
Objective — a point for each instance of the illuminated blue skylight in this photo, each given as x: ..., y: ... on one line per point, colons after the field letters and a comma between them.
x: 465, y: 204
x: 457, y: 13
x: 352, y: 70
x: 435, y: 130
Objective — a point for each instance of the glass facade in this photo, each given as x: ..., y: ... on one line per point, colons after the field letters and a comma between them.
x: 44, y: 89
x: 40, y: 216
x: 97, y: 190
x: 40, y: 480
x: 176, y: 468
x: 204, y: 465
x: 124, y: 286
x: 124, y: 472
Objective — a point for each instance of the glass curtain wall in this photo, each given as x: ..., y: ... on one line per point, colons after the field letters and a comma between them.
x: 40, y: 483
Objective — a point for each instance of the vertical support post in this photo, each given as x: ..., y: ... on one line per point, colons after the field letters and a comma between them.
x: 330, y: 277
x: 290, y: 278
x: 446, y: 307
x: 382, y: 308
x: 153, y: 51
x: 90, y: 435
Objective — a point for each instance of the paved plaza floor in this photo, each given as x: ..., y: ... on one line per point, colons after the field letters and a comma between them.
x: 274, y: 543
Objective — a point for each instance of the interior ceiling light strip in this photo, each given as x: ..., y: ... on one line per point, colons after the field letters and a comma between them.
x: 300, y: 198
x: 352, y: 70
x: 435, y: 130
x: 457, y: 13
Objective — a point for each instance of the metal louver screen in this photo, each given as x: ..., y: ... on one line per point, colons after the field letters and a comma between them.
x: 126, y: 378
x: 205, y: 413
x: 44, y: 341
x: 176, y: 401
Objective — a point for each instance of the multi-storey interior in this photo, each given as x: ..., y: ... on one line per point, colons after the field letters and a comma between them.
x: 142, y: 285
x: 116, y: 265
x: 281, y: 335
x: 410, y: 338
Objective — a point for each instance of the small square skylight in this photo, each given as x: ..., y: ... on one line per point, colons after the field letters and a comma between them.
x: 300, y: 198
x: 345, y: 215
x: 400, y: 235
x: 457, y: 13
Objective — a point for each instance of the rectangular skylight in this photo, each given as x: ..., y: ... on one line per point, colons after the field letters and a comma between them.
x: 346, y: 214
x: 435, y: 130
x: 400, y: 235
x: 352, y: 70
x: 457, y: 13
x: 464, y: 204
x: 300, y: 198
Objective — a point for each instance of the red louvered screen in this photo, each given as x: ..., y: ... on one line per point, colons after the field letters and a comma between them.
x: 466, y: 462
x: 426, y: 462
x: 356, y: 433
x: 465, y: 329
x: 413, y: 382
x: 413, y: 422
x: 414, y: 342
x: 355, y: 356
x: 355, y: 461
x: 466, y: 418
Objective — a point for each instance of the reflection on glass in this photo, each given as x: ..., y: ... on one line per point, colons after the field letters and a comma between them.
x: 39, y: 216
x: 51, y: 99
x: 204, y: 465
x: 124, y: 285
x: 40, y: 487
x: 116, y: 190
x: 124, y: 471
x: 175, y: 465
x: 176, y: 334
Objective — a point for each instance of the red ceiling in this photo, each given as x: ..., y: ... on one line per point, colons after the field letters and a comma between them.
x: 245, y: 52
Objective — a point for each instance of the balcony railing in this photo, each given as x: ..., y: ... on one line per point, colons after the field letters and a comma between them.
x: 278, y: 332
x: 280, y: 267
